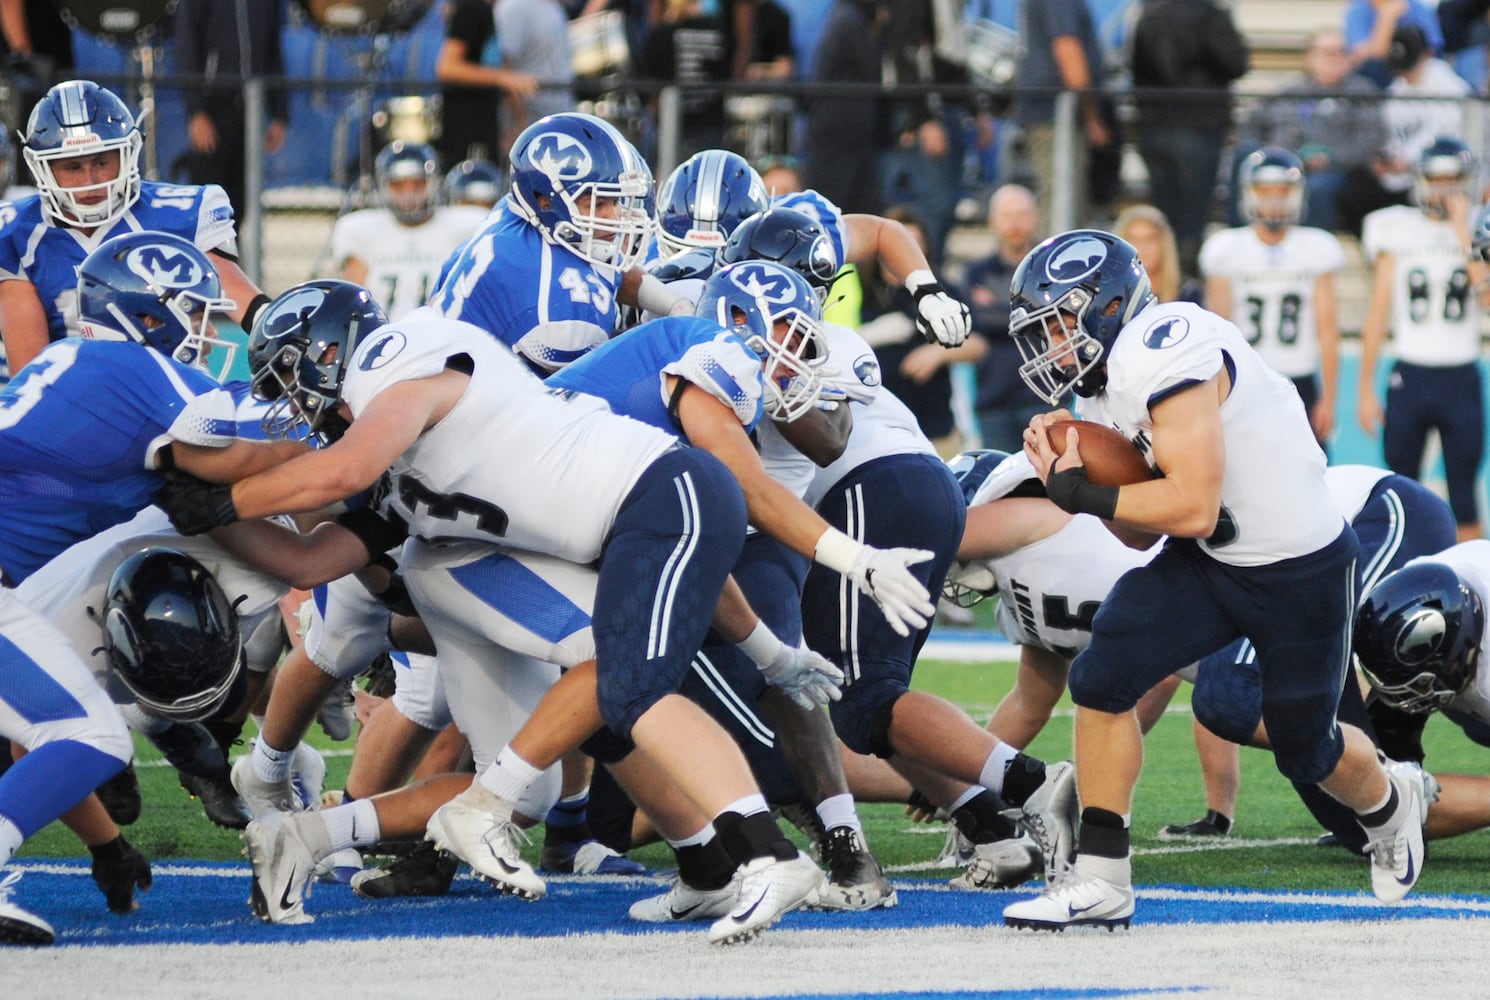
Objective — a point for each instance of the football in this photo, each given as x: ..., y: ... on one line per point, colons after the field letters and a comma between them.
x: 1110, y: 458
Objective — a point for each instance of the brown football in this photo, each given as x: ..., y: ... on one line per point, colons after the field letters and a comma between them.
x: 1110, y: 458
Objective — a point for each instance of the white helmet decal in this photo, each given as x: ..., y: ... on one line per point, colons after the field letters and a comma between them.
x: 164, y: 266
x: 1076, y: 259
x: 560, y: 157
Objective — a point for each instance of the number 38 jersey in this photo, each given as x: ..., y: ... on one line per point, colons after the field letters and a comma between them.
x: 1272, y: 290
x: 1435, y: 318
x: 545, y: 302
x: 402, y: 261
x: 512, y: 463
x: 33, y: 249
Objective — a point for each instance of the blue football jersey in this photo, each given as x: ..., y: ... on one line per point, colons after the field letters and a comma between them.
x: 79, y: 430
x: 630, y: 372
x: 47, y: 255
x: 546, y: 303
x: 811, y: 203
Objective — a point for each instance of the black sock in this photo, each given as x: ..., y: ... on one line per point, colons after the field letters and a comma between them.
x: 705, y: 866
x: 1380, y: 816
x: 568, y: 822
x: 981, y: 819
x: 746, y: 838
x: 1103, y: 834
x: 1022, y: 777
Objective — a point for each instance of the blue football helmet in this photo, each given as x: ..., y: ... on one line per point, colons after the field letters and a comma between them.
x: 475, y: 182
x: 400, y: 162
x: 782, y: 323
x: 705, y: 199
x: 1083, y: 286
x: 1281, y: 174
x: 171, y: 635
x: 582, y: 185
x: 75, y: 119
x: 1417, y: 636
x: 299, y: 350
x: 787, y: 237
x: 159, y: 290
x: 969, y: 584
x: 1443, y: 169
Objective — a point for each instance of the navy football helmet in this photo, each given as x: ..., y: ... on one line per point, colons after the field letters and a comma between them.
x: 1417, y: 636
x: 75, y: 119
x: 1272, y: 183
x: 475, y: 182
x: 171, y: 635
x: 299, y: 350
x: 1443, y: 169
x: 584, y: 186
x: 971, y: 468
x: 159, y: 290
x: 787, y: 237
x: 783, y: 324
x: 1479, y: 237
x: 705, y: 199
x: 400, y: 163
x: 1069, y: 298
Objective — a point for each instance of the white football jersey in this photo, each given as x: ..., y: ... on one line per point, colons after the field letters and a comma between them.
x: 1435, y: 317
x: 1471, y: 560
x: 402, y: 261
x: 1274, y: 502
x: 1350, y: 486
x: 883, y: 426
x: 1272, y: 290
x: 512, y: 463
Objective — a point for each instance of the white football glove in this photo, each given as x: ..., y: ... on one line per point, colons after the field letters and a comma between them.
x: 808, y: 678
x: 882, y: 575
x: 940, y: 318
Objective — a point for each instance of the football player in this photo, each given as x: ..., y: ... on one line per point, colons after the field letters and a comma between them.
x: 1276, y: 280
x: 83, y: 147
x: 704, y: 199
x: 98, y: 419
x: 396, y: 250
x: 410, y: 398
x: 479, y: 183
x: 1236, y: 449
x: 1424, y: 277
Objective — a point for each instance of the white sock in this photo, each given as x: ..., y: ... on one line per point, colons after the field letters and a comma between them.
x: 509, y: 775
x: 271, y: 764
x: 698, y: 839
x: 973, y: 791
x: 748, y: 806
x: 10, y: 840
x: 838, y: 810
x: 352, y: 825
x: 315, y: 830
x: 992, y: 775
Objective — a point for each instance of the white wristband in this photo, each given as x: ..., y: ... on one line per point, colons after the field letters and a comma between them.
x: 653, y: 296
x: 837, y: 551
x: 761, y: 645
x: 917, y: 278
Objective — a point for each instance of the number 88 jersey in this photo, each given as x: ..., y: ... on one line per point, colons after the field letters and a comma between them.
x: 1272, y: 290
x: 1435, y: 317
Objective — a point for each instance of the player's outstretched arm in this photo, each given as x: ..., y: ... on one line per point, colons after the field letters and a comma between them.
x: 23, y: 323
x: 303, y: 561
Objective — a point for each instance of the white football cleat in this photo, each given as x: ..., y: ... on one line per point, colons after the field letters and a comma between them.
x: 1396, y: 847
x: 18, y: 926
x: 1075, y: 900
x: 476, y: 828
x: 1001, y: 864
x: 767, y: 889
x: 683, y: 902
x: 283, y: 868
x: 260, y: 796
x: 1051, y: 814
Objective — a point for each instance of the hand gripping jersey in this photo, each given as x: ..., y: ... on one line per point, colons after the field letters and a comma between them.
x: 35, y: 250
x: 1272, y: 290
x: 79, y: 430
x: 512, y: 463
x: 402, y: 261
x: 1435, y: 316
x: 1274, y: 502
x: 545, y: 302
x: 630, y: 372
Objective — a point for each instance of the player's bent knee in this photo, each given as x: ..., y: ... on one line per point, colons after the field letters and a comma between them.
x: 862, y: 719
x: 1306, y: 757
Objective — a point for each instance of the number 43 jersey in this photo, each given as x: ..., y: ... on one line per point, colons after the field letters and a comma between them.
x: 512, y: 463
x: 1435, y: 318
x: 1272, y: 290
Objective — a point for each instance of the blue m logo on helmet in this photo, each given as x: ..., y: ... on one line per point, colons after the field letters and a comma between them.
x: 164, y: 266
x: 769, y: 284
x: 560, y: 156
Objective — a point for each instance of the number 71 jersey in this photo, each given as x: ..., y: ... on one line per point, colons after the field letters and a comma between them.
x: 1435, y: 317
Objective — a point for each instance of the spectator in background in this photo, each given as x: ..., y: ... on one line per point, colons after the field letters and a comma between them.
x: 469, y: 72
x: 844, y: 133
x: 1147, y: 228
x: 1424, y: 103
x: 780, y: 174
x: 533, y: 39
x: 225, y: 42
x: 1466, y: 30
x: 770, y: 55
x: 691, y: 48
x: 1333, y: 135
x: 38, y: 53
x: 1003, y: 404
x: 1369, y: 26
x: 1061, y: 51
x: 1192, y: 50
